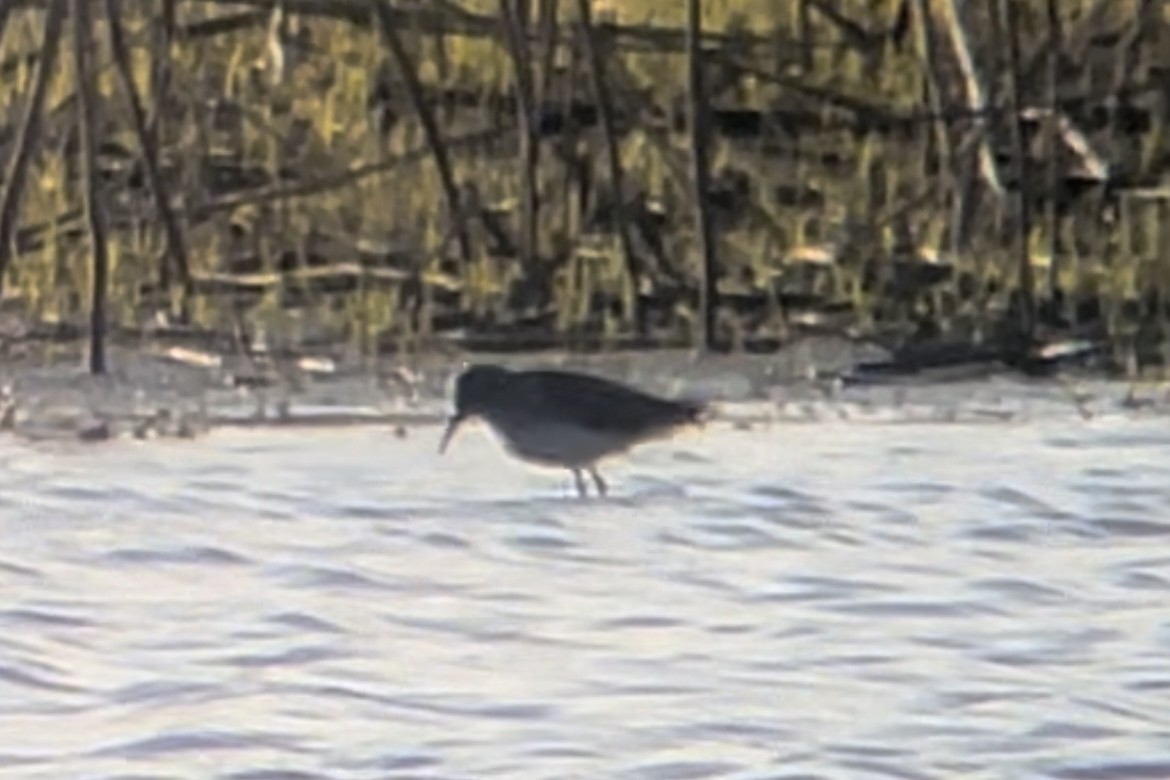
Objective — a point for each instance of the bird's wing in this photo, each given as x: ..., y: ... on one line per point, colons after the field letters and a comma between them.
x: 603, y: 405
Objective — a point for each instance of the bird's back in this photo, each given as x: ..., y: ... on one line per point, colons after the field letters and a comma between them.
x: 602, y: 405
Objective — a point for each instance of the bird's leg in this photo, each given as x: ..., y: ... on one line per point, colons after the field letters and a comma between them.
x: 580, y: 482
x: 602, y: 488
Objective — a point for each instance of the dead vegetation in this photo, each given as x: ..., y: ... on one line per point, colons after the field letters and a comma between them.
x: 954, y: 181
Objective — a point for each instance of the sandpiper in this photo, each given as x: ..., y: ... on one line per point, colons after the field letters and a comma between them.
x: 563, y: 419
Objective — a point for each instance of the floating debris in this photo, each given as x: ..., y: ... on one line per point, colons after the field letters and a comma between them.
x: 154, y: 425
x: 252, y: 381
x: 317, y: 365
x: 191, y: 357
x: 186, y: 429
x: 1133, y: 402
x: 145, y: 429
x: 1066, y: 349
x: 97, y: 431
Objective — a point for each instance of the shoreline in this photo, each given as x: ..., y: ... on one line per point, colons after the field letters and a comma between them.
x: 165, y: 390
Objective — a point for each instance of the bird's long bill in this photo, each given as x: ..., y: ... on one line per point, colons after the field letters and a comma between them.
x: 452, y: 426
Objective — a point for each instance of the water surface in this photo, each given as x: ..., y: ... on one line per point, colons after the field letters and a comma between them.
x: 843, y: 592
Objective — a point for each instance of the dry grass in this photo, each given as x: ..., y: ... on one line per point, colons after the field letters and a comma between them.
x: 868, y: 193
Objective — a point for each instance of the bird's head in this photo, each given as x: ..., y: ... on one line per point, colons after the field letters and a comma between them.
x: 475, y: 391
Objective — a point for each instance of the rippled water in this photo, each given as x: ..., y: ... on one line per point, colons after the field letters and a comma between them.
x: 851, y: 596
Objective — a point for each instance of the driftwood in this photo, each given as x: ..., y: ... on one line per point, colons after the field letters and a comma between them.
x: 324, y: 277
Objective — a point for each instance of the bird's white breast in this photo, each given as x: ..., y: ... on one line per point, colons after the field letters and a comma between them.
x: 556, y: 444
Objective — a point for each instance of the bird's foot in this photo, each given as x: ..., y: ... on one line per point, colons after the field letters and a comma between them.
x: 602, y: 487
x: 579, y: 481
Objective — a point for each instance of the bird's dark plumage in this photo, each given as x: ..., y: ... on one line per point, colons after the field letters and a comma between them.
x: 565, y: 419
x: 607, y: 406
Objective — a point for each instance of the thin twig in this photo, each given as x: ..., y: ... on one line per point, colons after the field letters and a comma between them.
x: 457, y: 20
x: 928, y: 55
x: 5, y: 13
x: 804, y: 23
x: 28, y: 236
x: 29, y: 135
x: 549, y: 39
x: 148, y: 140
x: 165, y: 36
x: 430, y: 127
x: 1054, y: 139
x: 513, y: 13
x: 700, y: 172
x: 1027, y: 286
x: 602, y: 97
x: 91, y: 203
x: 976, y: 96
